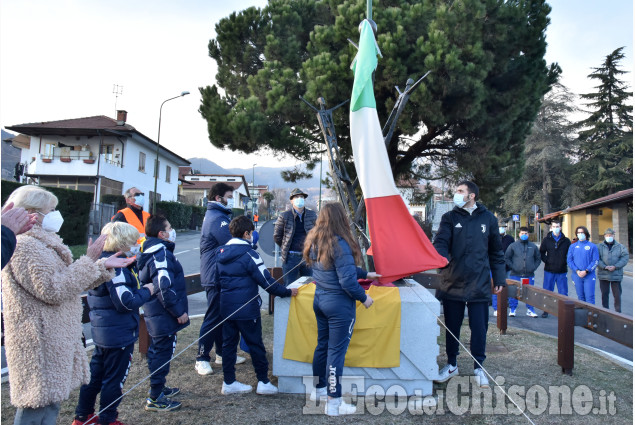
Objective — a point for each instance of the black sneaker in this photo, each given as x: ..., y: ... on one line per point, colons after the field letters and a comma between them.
x: 170, y: 392
x: 161, y: 404
x: 544, y: 315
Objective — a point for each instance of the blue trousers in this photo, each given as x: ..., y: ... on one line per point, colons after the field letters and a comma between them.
x: 251, y: 332
x: 335, y: 315
x: 513, y: 302
x: 556, y: 279
x: 161, y: 350
x: 211, y: 319
x: 478, y: 315
x: 585, y: 287
x: 108, y: 372
x: 293, y: 260
x: 46, y: 415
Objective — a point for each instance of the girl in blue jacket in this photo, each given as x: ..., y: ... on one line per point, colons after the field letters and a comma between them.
x: 114, y: 320
x: 333, y: 252
x: 583, y: 257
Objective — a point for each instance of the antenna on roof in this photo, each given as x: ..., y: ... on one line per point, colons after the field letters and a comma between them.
x: 117, y: 91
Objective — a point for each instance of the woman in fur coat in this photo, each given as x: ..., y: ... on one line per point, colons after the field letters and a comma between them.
x: 41, y: 289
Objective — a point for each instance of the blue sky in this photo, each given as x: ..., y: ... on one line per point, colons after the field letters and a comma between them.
x: 61, y: 58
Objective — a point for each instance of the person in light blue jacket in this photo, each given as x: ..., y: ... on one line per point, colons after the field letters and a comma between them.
x: 582, y: 258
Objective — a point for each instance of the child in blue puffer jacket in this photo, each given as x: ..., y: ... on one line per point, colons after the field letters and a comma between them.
x: 114, y: 319
x: 239, y: 271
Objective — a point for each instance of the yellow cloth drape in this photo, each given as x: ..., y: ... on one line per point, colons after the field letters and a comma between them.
x: 376, y: 335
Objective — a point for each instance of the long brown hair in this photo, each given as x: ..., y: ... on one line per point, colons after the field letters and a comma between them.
x: 331, y: 223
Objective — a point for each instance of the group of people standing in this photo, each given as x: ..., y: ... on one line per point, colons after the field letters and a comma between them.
x: 587, y: 261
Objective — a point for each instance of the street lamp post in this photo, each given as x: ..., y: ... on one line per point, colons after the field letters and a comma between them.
x: 156, y: 161
x: 253, y: 188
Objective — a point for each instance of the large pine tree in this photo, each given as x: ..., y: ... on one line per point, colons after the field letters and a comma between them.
x: 605, y: 142
x: 472, y: 112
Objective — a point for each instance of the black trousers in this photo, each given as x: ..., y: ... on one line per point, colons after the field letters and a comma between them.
x: 160, y: 351
x: 211, y: 319
x: 108, y: 372
x: 477, y: 312
x: 615, y: 287
x: 251, y: 331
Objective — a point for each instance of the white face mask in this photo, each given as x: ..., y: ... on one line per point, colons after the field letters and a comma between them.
x: 172, y: 236
x: 556, y: 230
x: 134, y: 250
x: 501, y: 230
x: 298, y: 202
x: 52, y: 222
x: 609, y: 239
x: 459, y: 200
x: 139, y: 200
x: 581, y: 236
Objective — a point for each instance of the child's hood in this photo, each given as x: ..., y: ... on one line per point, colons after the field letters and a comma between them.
x: 150, y: 247
x: 232, y: 250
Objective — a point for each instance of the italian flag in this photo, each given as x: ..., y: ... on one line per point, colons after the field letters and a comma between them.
x: 398, y: 245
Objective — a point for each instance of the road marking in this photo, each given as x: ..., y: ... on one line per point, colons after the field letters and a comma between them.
x: 177, y: 253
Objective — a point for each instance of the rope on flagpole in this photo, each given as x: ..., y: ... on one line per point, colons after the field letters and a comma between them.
x: 473, y: 358
x: 189, y: 346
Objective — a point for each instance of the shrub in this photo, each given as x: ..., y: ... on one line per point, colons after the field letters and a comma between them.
x: 74, y: 205
x: 179, y: 215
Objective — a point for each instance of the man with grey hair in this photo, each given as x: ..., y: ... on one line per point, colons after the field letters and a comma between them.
x: 613, y: 258
x: 134, y: 213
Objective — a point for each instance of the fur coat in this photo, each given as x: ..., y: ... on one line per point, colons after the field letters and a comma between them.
x: 41, y: 289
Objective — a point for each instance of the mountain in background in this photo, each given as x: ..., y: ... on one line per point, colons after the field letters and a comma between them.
x: 263, y: 175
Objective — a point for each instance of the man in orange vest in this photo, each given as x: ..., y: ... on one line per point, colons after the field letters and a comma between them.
x: 134, y: 213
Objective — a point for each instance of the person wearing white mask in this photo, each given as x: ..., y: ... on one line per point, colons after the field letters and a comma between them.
x: 167, y: 312
x: 553, y: 252
x: 134, y: 213
x: 583, y: 258
x: 468, y: 237
x: 42, y: 309
x: 290, y: 232
x: 613, y: 258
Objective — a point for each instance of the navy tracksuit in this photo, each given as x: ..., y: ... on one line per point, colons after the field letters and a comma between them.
x: 215, y: 233
x: 114, y: 318
x: 157, y: 264
x: 239, y: 271
x: 336, y: 293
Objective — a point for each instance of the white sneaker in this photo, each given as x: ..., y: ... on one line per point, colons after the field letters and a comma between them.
x: 495, y: 313
x: 318, y: 393
x: 235, y: 388
x: 239, y: 360
x: 447, y: 372
x: 203, y: 368
x: 512, y: 313
x: 266, y: 389
x: 481, y: 378
x: 531, y: 314
x: 336, y: 407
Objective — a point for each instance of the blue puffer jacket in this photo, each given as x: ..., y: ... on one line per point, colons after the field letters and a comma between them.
x: 240, y: 270
x: 342, y: 275
x: 157, y: 264
x: 114, y: 308
x: 215, y: 232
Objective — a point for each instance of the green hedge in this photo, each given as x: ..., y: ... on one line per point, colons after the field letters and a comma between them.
x: 198, y: 214
x: 74, y: 205
x: 237, y: 212
x: 179, y: 215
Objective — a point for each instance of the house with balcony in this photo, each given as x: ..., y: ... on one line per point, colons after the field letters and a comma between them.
x: 97, y: 154
x: 195, y: 188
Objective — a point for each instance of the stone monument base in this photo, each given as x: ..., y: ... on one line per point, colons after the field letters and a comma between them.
x: 418, y: 352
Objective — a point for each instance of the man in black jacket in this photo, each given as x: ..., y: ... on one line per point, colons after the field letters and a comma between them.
x: 523, y: 258
x: 468, y: 237
x: 553, y: 252
x: 289, y: 233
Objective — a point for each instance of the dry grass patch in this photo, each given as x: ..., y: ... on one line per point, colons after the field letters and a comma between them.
x: 523, y: 359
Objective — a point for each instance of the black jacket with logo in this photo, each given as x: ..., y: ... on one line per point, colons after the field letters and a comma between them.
x: 554, y: 253
x: 472, y: 245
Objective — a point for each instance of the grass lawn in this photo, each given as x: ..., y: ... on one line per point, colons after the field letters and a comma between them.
x: 523, y: 358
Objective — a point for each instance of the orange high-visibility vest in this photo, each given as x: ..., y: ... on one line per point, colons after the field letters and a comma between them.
x: 132, y: 219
